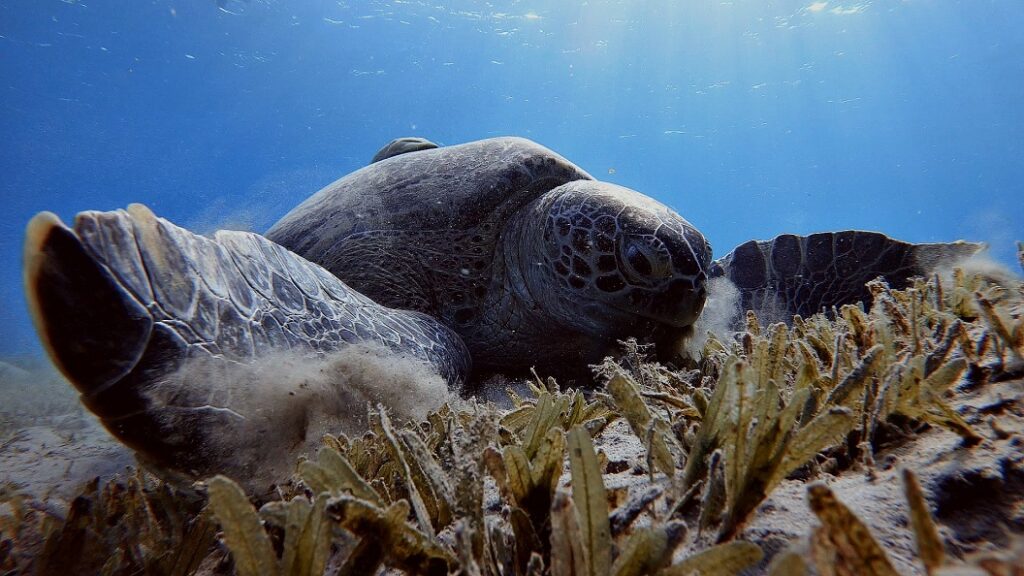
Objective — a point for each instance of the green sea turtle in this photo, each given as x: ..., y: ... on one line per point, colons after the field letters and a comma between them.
x: 488, y: 257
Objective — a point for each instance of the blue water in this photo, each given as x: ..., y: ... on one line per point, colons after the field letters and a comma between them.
x: 751, y: 118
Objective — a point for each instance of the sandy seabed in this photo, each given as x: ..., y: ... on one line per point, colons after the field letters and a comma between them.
x: 976, y: 493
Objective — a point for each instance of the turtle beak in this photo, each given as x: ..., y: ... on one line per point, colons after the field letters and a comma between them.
x: 679, y: 304
x: 675, y: 307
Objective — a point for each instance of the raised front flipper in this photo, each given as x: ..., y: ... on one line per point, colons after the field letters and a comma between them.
x: 154, y: 324
x: 807, y: 274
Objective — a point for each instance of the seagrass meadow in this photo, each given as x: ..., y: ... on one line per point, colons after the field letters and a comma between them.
x: 887, y: 440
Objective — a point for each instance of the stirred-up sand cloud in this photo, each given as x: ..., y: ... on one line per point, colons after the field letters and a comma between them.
x: 286, y: 402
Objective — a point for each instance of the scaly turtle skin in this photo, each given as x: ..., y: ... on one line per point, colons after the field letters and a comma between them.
x: 492, y: 256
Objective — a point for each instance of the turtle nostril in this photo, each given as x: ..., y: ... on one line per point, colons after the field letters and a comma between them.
x: 638, y: 261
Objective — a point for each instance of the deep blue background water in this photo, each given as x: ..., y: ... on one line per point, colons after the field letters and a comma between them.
x: 751, y: 118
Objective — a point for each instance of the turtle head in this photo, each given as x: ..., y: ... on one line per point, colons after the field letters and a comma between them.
x: 615, y: 260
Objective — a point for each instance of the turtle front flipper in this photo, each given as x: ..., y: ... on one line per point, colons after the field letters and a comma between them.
x: 807, y: 274
x: 158, y: 328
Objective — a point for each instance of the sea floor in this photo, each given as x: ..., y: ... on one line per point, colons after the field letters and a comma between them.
x: 928, y: 381
x: 976, y: 492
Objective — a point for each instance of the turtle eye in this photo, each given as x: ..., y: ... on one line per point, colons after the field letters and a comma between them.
x: 637, y: 261
x: 643, y: 262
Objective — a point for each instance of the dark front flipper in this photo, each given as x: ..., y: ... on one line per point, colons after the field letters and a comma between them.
x: 153, y: 324
x: 807, y: 274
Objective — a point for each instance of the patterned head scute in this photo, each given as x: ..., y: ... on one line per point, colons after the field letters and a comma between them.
x: 605, y: 244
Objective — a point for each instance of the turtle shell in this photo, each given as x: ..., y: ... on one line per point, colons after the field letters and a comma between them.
x: 418, y: 230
